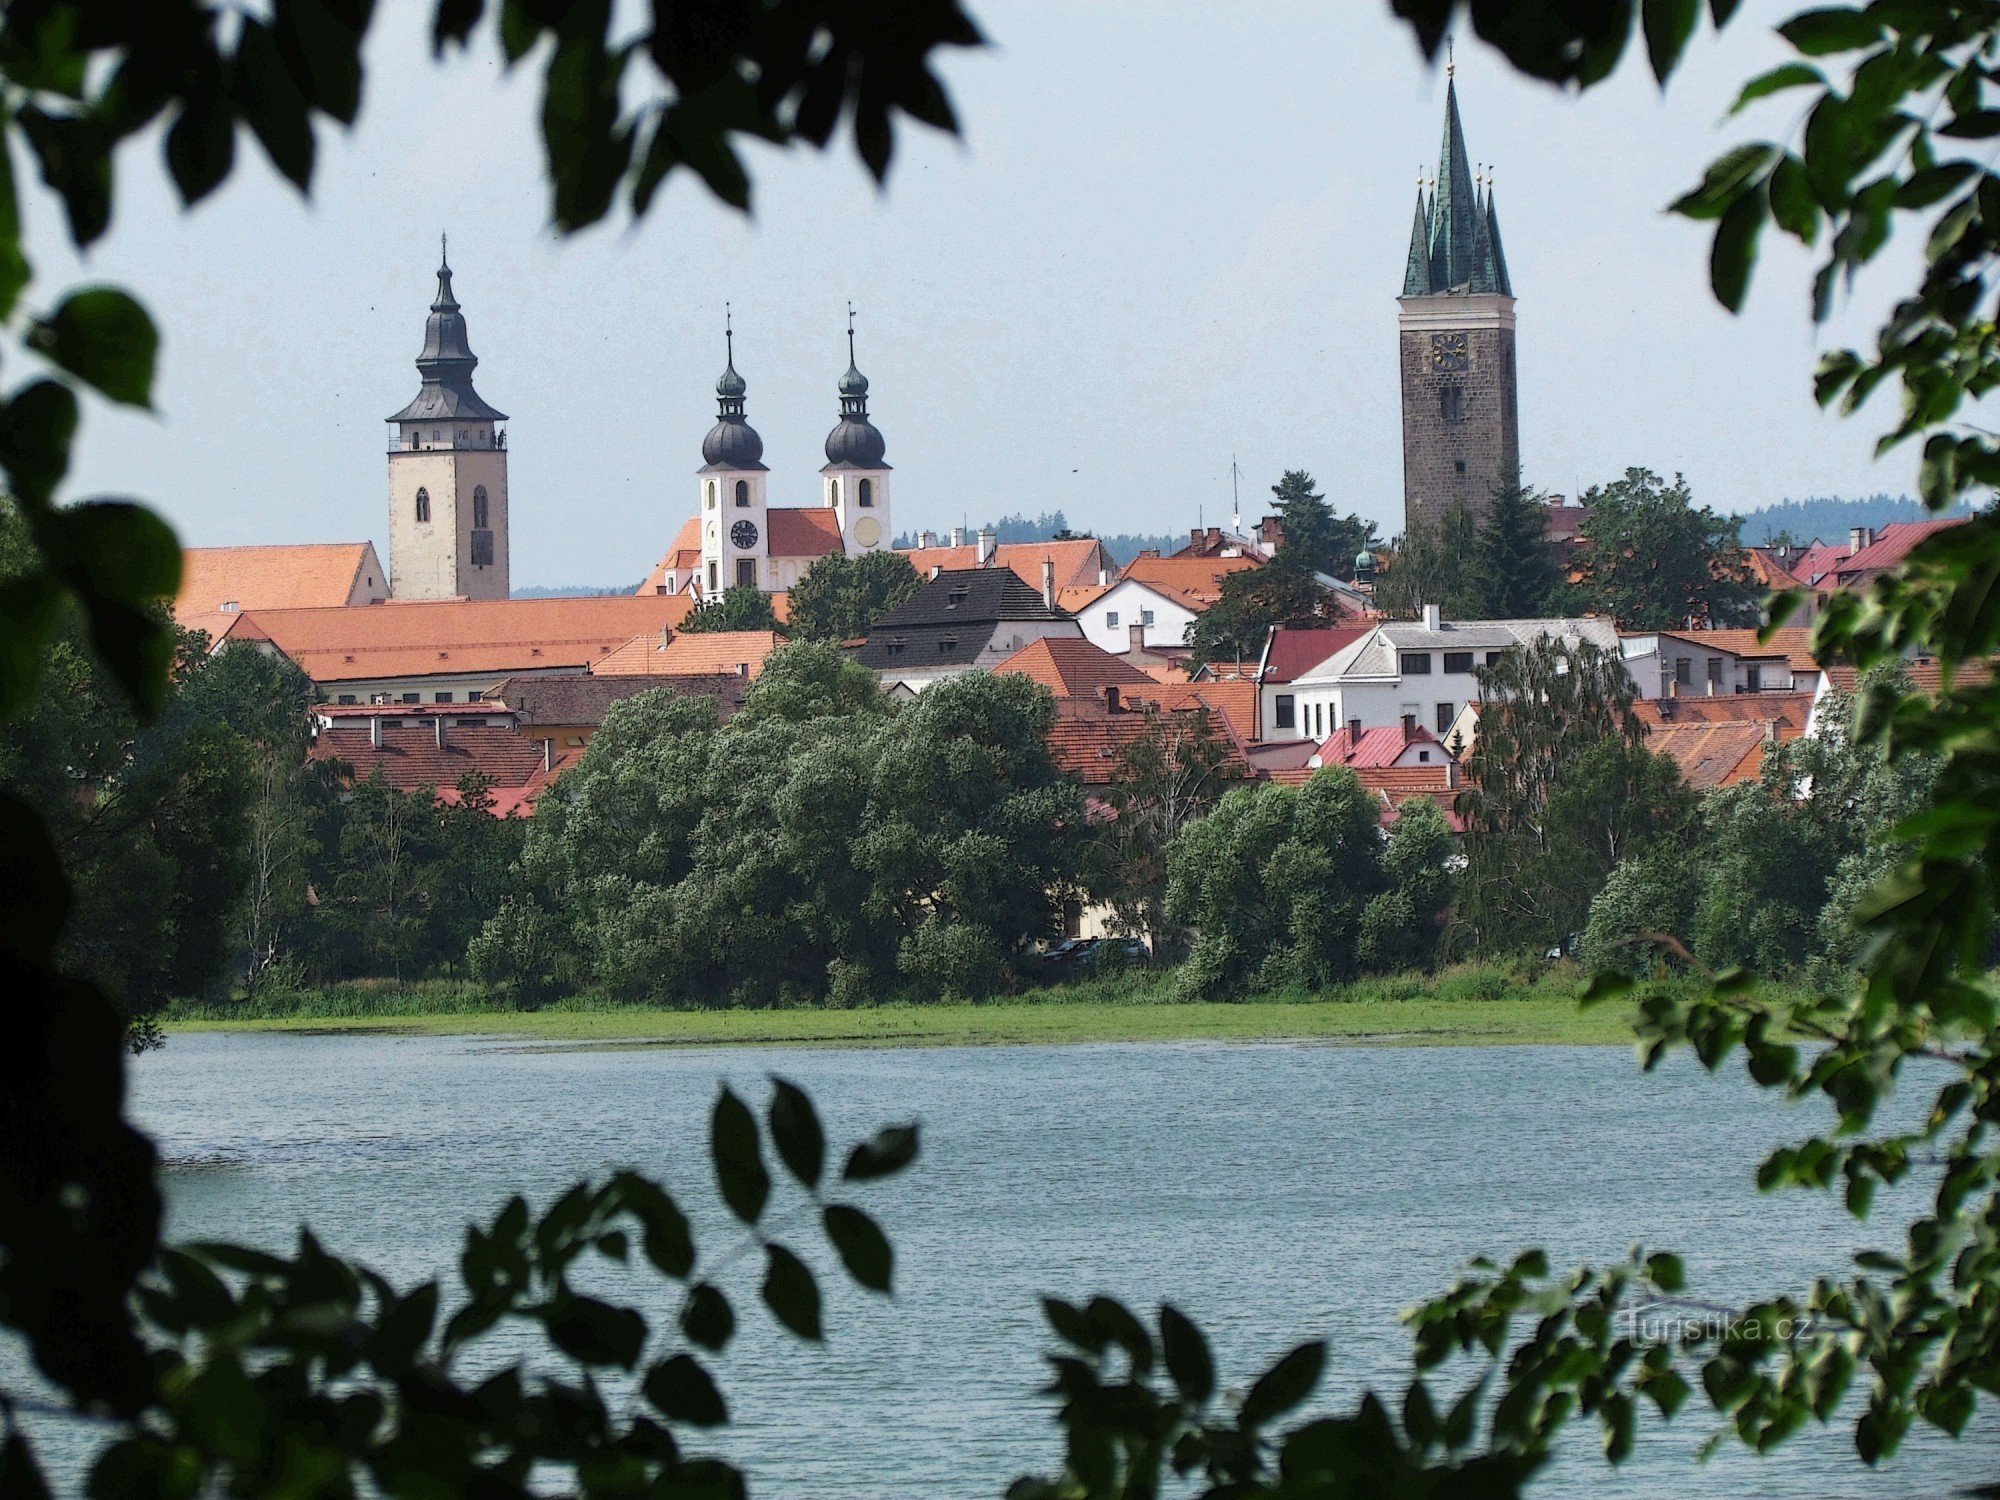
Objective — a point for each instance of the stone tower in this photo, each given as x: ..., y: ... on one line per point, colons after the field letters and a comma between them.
x: 735, y: 531
x: 856, y: 478
x: 447, y: 473
x: 1461, y: 421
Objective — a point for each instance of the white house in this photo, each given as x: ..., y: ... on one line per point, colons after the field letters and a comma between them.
x: 1420, y: 673
x: 1162, y: 616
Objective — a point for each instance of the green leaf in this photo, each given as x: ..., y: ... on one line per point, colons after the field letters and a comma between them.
x: 75, y: 159
x: 1606, y: 984
x: 272, y: 105
x: 682, y: 1391
x: 1725, y: 180
x: 1668, y: 25
x: 105, y: 339
x: 1791, y: 75
x: 791, y: 1293
x: 201, y: 147
x: 1735, y: 250
x: 20, y: 1474
x: 1666, y: 1271
x: 1793, y: 206
x: 739, y: 1158
x: 1187, y: 1356
x: 795, y: 1131
x: 1072, y: 1327
x: 454, y: 22
x: 36, y: 429
x: 708, y: 1318
x: 1284, y: 1385
x: 891, y: 1151
x: 118, y: 550
x: 593, y: 1332
x: 664, y: 1237
x: 1818, y: 33
x: 862, y: 1246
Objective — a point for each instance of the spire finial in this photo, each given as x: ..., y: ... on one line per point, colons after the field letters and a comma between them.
x: 1450, y: 62
x: 444, y: 246
x: 729, y: 334
x: 850, y: 331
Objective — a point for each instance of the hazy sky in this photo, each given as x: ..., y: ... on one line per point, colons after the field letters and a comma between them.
x: 1171, y: 232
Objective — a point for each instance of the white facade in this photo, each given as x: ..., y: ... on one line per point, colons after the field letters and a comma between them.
x: 860, y: 501
x: 1690, y: 667
x: 735, y: 530
x: 1422, y: 672
x: 1108, y: 619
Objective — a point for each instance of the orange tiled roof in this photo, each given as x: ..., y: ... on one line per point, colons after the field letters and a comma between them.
x: 691, y: 654
x: 1716, y: 754
x: 315, y: 575
x: 455, y: 636
x: 1195, y: 581
x: 1233, y: 702
x: 1793, y: 642
x: 1788, y: 709
x: 1891, y: 545
x: 1086, y: 742
x: 1071, y: 667
x: 1769, y: 572
x: 1077, y: 562
x: 683, y: 556
x: 409, y: 756
x: 803, y: 531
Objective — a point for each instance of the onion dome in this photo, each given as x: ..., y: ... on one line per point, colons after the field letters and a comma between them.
x: 446, y: 364
x: 732, y: 443
x: 855, y: 443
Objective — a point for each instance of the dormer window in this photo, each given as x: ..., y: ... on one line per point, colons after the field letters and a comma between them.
x: 955, y: 597
x: 230, y: 606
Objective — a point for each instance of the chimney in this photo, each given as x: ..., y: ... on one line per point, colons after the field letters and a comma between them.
x: 927, y: 539
x: 1354, y: 731
x: 1409, y: 728
x: 1103, y: 577
x: 1049, y: 583
x: 936, y: 568
x: 438, y: 724
x: 1860, y: 538
x: 1213, y: 541
x: 1433, y: 617
x: 1136, y: 634
x: 375, y: 730
x: 989, y: 540
x: 548, y: 755
x: 1194, y: 539
x: 958, y: 536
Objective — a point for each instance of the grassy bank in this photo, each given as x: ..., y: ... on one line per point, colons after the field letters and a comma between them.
x: 1470, y: 1004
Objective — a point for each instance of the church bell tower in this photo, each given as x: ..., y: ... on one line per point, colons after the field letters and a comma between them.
x: 855, y: 476
x: 447, y: 472
x: 1461, y: 419
x: 735, y: 527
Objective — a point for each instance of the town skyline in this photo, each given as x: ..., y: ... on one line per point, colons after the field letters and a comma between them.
x: 1268, y: 333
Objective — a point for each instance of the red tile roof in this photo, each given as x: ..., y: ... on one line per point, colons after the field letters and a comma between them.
x: 803, y: 531
x: 691, y: 654
x: 1378, y: 748
x: 1768, y: 571
x: 1234, y: 703
x: 1817, y: 561
x: 1195, y: 581
x: 683, y: 557
x: 1292, y: 652
x: 1077, y: 562
x: 1788, y: 709
x: 1086, y: 742
x: 456, y: 636
x: 1793, y: 642
x: 1716, y: 754
x: 1071, y: 667
x: 409, y: 756
x: 1891, y: 545
x: 316, y: 575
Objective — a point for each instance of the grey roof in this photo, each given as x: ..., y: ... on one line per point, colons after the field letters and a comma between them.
x: 1455, y: 241
x: 951, y: 619
x: 446, y: 366
x: 1375, y: 654
x: 583, y: 700
x: 732, y: 443
x: 854, y: 443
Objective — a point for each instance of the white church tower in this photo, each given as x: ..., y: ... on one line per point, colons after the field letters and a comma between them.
x: 856, y: 479
x: 735, y: 531
x: 447, y: 473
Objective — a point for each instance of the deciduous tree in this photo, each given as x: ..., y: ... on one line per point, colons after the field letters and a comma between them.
x: 1654, y: 560
x: 841, y: 597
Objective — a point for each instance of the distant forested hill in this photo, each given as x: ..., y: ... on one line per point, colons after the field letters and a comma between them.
x: 574, y: 591
x: 1123, y: 546
x: 1829, y: 518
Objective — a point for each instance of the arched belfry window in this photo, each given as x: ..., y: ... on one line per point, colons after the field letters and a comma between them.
x: 867, y: 492
x: 711, y: 494
x: 833, y: 492
x: 423, y: 505
x: 479, y: 506
x: 742, y: 492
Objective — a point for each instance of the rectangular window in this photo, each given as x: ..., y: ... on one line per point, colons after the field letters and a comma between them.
x: 1285, y: 715
x: 711, y: 578
x: 1683, y: 670
x: 1715, y: 669
x: 1145, y: 617
x: 1493, y: 658
x: 1458, y: 661
x: 413, y: 697
x: 1753, y: 679
x: 347, y: 698
x: 1451, y: 402
x: 1111, y: 619
x: 1416, y: 663
x: 482, y: 549
x: 1445, y: 714
x: 441, y: 697
x: 746, y: 572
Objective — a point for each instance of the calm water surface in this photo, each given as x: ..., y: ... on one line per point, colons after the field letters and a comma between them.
x: 1273, y: 1191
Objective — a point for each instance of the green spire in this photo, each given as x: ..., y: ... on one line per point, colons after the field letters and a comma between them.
x: 1417, y: 274
x: 1453, y: 218
x: 1499, y: 274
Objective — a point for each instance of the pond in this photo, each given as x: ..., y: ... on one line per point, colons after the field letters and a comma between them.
x: 1275, y: 1192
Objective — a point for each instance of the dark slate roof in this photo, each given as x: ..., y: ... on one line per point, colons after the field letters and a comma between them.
x: 951, y: 619
x: 446, y: 366
x: 732, y: 443
x: 1455, y: 241
x: 856, y: 443
x: 585, y: 700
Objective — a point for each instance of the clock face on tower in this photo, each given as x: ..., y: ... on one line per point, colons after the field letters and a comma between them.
x: 744, y: 535
x: 1448, y: 351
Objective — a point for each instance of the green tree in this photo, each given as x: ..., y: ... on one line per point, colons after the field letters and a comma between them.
x: 1654, y: 560
x: 813, y: 680
x: 1317, y: 540
x: 1519, y: 575
x: 1251, y: 601
x: 744, y: 607
x: 1436, y: 563
x: 1401, y: 925
x: 1171, y: 775
x: 381, y: 896
x: 1274, y: 884
x: 1560, y: 788
x: 841, y: 597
